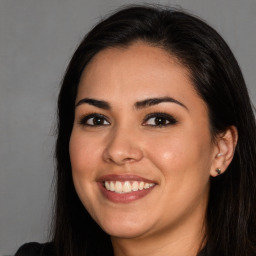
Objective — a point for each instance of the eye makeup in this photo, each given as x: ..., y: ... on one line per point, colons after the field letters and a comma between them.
x: 93, y: 119
x: 155, y: 120
x: 159, y: 120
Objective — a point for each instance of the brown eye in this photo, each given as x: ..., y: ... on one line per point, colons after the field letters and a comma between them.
x: 159, y: 120
x: 94, y: 120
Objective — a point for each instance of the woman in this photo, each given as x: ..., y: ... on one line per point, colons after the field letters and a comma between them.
x: 156, y: 143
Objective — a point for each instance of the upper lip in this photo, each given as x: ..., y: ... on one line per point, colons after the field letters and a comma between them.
x: 124, y: 177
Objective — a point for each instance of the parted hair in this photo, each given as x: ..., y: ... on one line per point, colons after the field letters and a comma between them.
x: 217, y: 78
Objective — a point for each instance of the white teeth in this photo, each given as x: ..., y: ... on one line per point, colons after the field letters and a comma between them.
x: 135, y: 186
x: 141, y: 186
x: 146, y: 185
x: 118, y: 187
x: 112, y: 186
x: 127, y: 186
x: 107, y: 185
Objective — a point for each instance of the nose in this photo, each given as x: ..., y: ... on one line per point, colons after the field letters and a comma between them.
x: 122, y: 147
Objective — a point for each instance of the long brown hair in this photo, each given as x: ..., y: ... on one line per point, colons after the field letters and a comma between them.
x: 231, y: 216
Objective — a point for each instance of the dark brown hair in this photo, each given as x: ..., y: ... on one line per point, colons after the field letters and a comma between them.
x: 231, y: 217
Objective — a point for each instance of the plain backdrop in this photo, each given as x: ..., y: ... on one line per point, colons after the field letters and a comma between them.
x: 37, y: 39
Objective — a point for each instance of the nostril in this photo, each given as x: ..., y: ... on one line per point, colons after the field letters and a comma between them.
x: 128, y: 159
x: 121, y: 152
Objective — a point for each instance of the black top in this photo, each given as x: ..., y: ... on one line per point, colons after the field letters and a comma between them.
x: 47, y: 249
x: 36, y: 249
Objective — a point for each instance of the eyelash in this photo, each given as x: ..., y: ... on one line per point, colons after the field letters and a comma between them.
x: 83, y: 121
x: 162, y: 116
x: 165, y: 117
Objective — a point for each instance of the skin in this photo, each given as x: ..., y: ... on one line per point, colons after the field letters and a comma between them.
x: 179, y: 157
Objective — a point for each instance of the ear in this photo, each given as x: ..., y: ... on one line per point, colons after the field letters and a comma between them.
x: 224, y: 151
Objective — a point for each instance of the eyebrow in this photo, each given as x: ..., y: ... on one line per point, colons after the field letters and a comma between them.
x: 97, y: 103
x: 138, y: 105
x: 155, y: 101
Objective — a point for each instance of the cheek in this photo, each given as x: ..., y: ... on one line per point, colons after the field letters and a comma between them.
x: 83, y: 153
x: 185, y: 152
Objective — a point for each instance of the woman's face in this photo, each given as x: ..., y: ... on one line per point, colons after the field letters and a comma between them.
x: 140, y: 149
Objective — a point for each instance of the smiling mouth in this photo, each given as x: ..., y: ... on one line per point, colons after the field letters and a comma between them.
x: 127, y: 186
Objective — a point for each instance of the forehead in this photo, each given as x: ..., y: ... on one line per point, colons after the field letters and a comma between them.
x: 136, y: 59
x: 135, y: 72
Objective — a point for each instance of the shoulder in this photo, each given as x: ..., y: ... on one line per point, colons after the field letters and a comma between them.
x: 36, y: 249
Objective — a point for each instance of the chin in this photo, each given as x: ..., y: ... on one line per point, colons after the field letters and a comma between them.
x: 127, y: 229
x: 124, y: 233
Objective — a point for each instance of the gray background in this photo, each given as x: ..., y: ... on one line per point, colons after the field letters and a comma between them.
x: 37, y: 39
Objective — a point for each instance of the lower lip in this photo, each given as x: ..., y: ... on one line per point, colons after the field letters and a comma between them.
x: 124, y: 197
